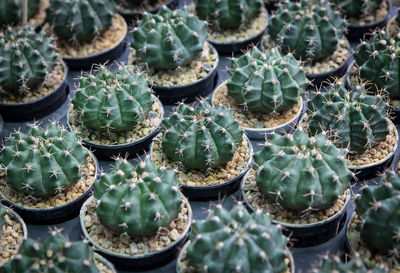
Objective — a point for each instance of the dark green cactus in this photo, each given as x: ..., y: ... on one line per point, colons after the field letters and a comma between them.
x: 113, y: 103
x: 356, y: 8
x: 227, y: 14
x: 11, y: 11
x: 43, y: 162
x: 25, y: 59
x: 169, y: 39
x: 310, y: 31
x: 137, y: 200
x: 379, y: 207
x: 301, y: 172
x: 236, y: 241
x: 202, y: 137
x: 266, y: 82
x: 3, y: 212
x: 357, y: 119
x: 57, y: 254
x: 80, y: 21
x: 355, y: 265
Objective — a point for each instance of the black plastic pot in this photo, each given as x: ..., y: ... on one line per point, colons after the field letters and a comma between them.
x: 38, y: 108
x: 104, y: 261
x: 1, y: 127
x: 348, y: 247
x: 144, y: 261
x: 271, y: 5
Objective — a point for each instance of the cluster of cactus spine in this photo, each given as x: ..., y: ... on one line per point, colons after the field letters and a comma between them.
x: 357, y: 8
x: 80, y: 21
x: 137, y: 201
x: 379, y: 207
x: 202, y: 137
x: 227, y: 14
x: 357, y: 120
x: 301, y: 172
x: 236, y: 241
x: 113, y: 103
x: 266, y: 82
x: 310, y: 31
x: 169, y: 39
x: 56, y: 254
x: 43, y: 162
x: 25, y: 59
x: 11, y: 11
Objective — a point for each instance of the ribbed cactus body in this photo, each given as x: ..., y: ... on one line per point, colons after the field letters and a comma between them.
x: 169, y: 39
x: 236, y: 241
x: 11, y: 11
x: 137, y: 200
x: 43, y: 162
x: 356, y: 8
x: 355, y: 265
x: 202, y: 137
x: 266, y: 82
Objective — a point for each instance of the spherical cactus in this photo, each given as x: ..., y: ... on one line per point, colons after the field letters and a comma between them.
x: 355, y: 265
x: 379, y: 208
x: 301, y: 172
x: 379, y: 62
x: 169, y: 39
x: 113, y: 103
x: 202, y: 137
x: 80, y: 21
x: 310, y: 31
x: 356, y: 8
x: 56, y: 254
x: 11, y: 11
x: 266, y: 82
x: 43, y: 162
x: 25, y: 59
x: 357, y: 119
x: 226, y: 14
x: 137, y: 200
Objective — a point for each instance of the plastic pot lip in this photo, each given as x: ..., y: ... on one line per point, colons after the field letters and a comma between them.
x: 105, y: 261
x: 19, y: 220
x: 97, y: 247
x: 375, y: 24
x: 137, y: 13
x: 347, y: 82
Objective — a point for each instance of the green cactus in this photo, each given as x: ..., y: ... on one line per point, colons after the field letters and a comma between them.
x: 3, y: 212
x: 266, y: 82
x: 26, y: 57
x: 80, y: 21
x: 57, y: 254
x: 113, y: 103
x: 379, y: 62
x: 311, y: 31
x: 202, y: 137
x: 355, y: 265
x: 379, y: 207
x: 169, y: 39
x: 357, y: 119
x: 301, y: 172
x: 226, y: 14
x: 357, y: 8
x: 236, y: 241
x: 43, y: 162
x: 137, y: 200
x: 11, y: 11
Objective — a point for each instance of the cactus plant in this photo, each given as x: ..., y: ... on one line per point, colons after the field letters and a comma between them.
x: 11, y: 11
x: 225, y: 14
x: 80, y: 21
x: 43, y: 162
x: 56, y: 254
x: 236, y: 241
x: 311, y: 31
x: 266, y: 82
x: 357, y: 8
x: 169, y: 39
x: 356, y: 118
x: 301, y: 172
x: 379, y: 207
x: 355, y: 265
x: 26, y: 58
x: 113, y: 103
x: 137, y: 200
x: 202, y: 137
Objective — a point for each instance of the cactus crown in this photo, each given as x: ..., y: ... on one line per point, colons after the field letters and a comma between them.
x: 226, y: 14
x: 357, y: 8
x: 113, y: 103
x: 357, y: 119
x: 266, y: 82
x: 3, y: 212
x: 25, y: 59
x: 80, y: 21
x: 379, y: 208
x: 202, y: 137
x: 236, y: 241
x: 56, y: 254
x: 137, y: 201
x: 310, y: 31
x: 169, y: 39
x: 301, y: 172
x: 11, y: 11
x: 43, y: 162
